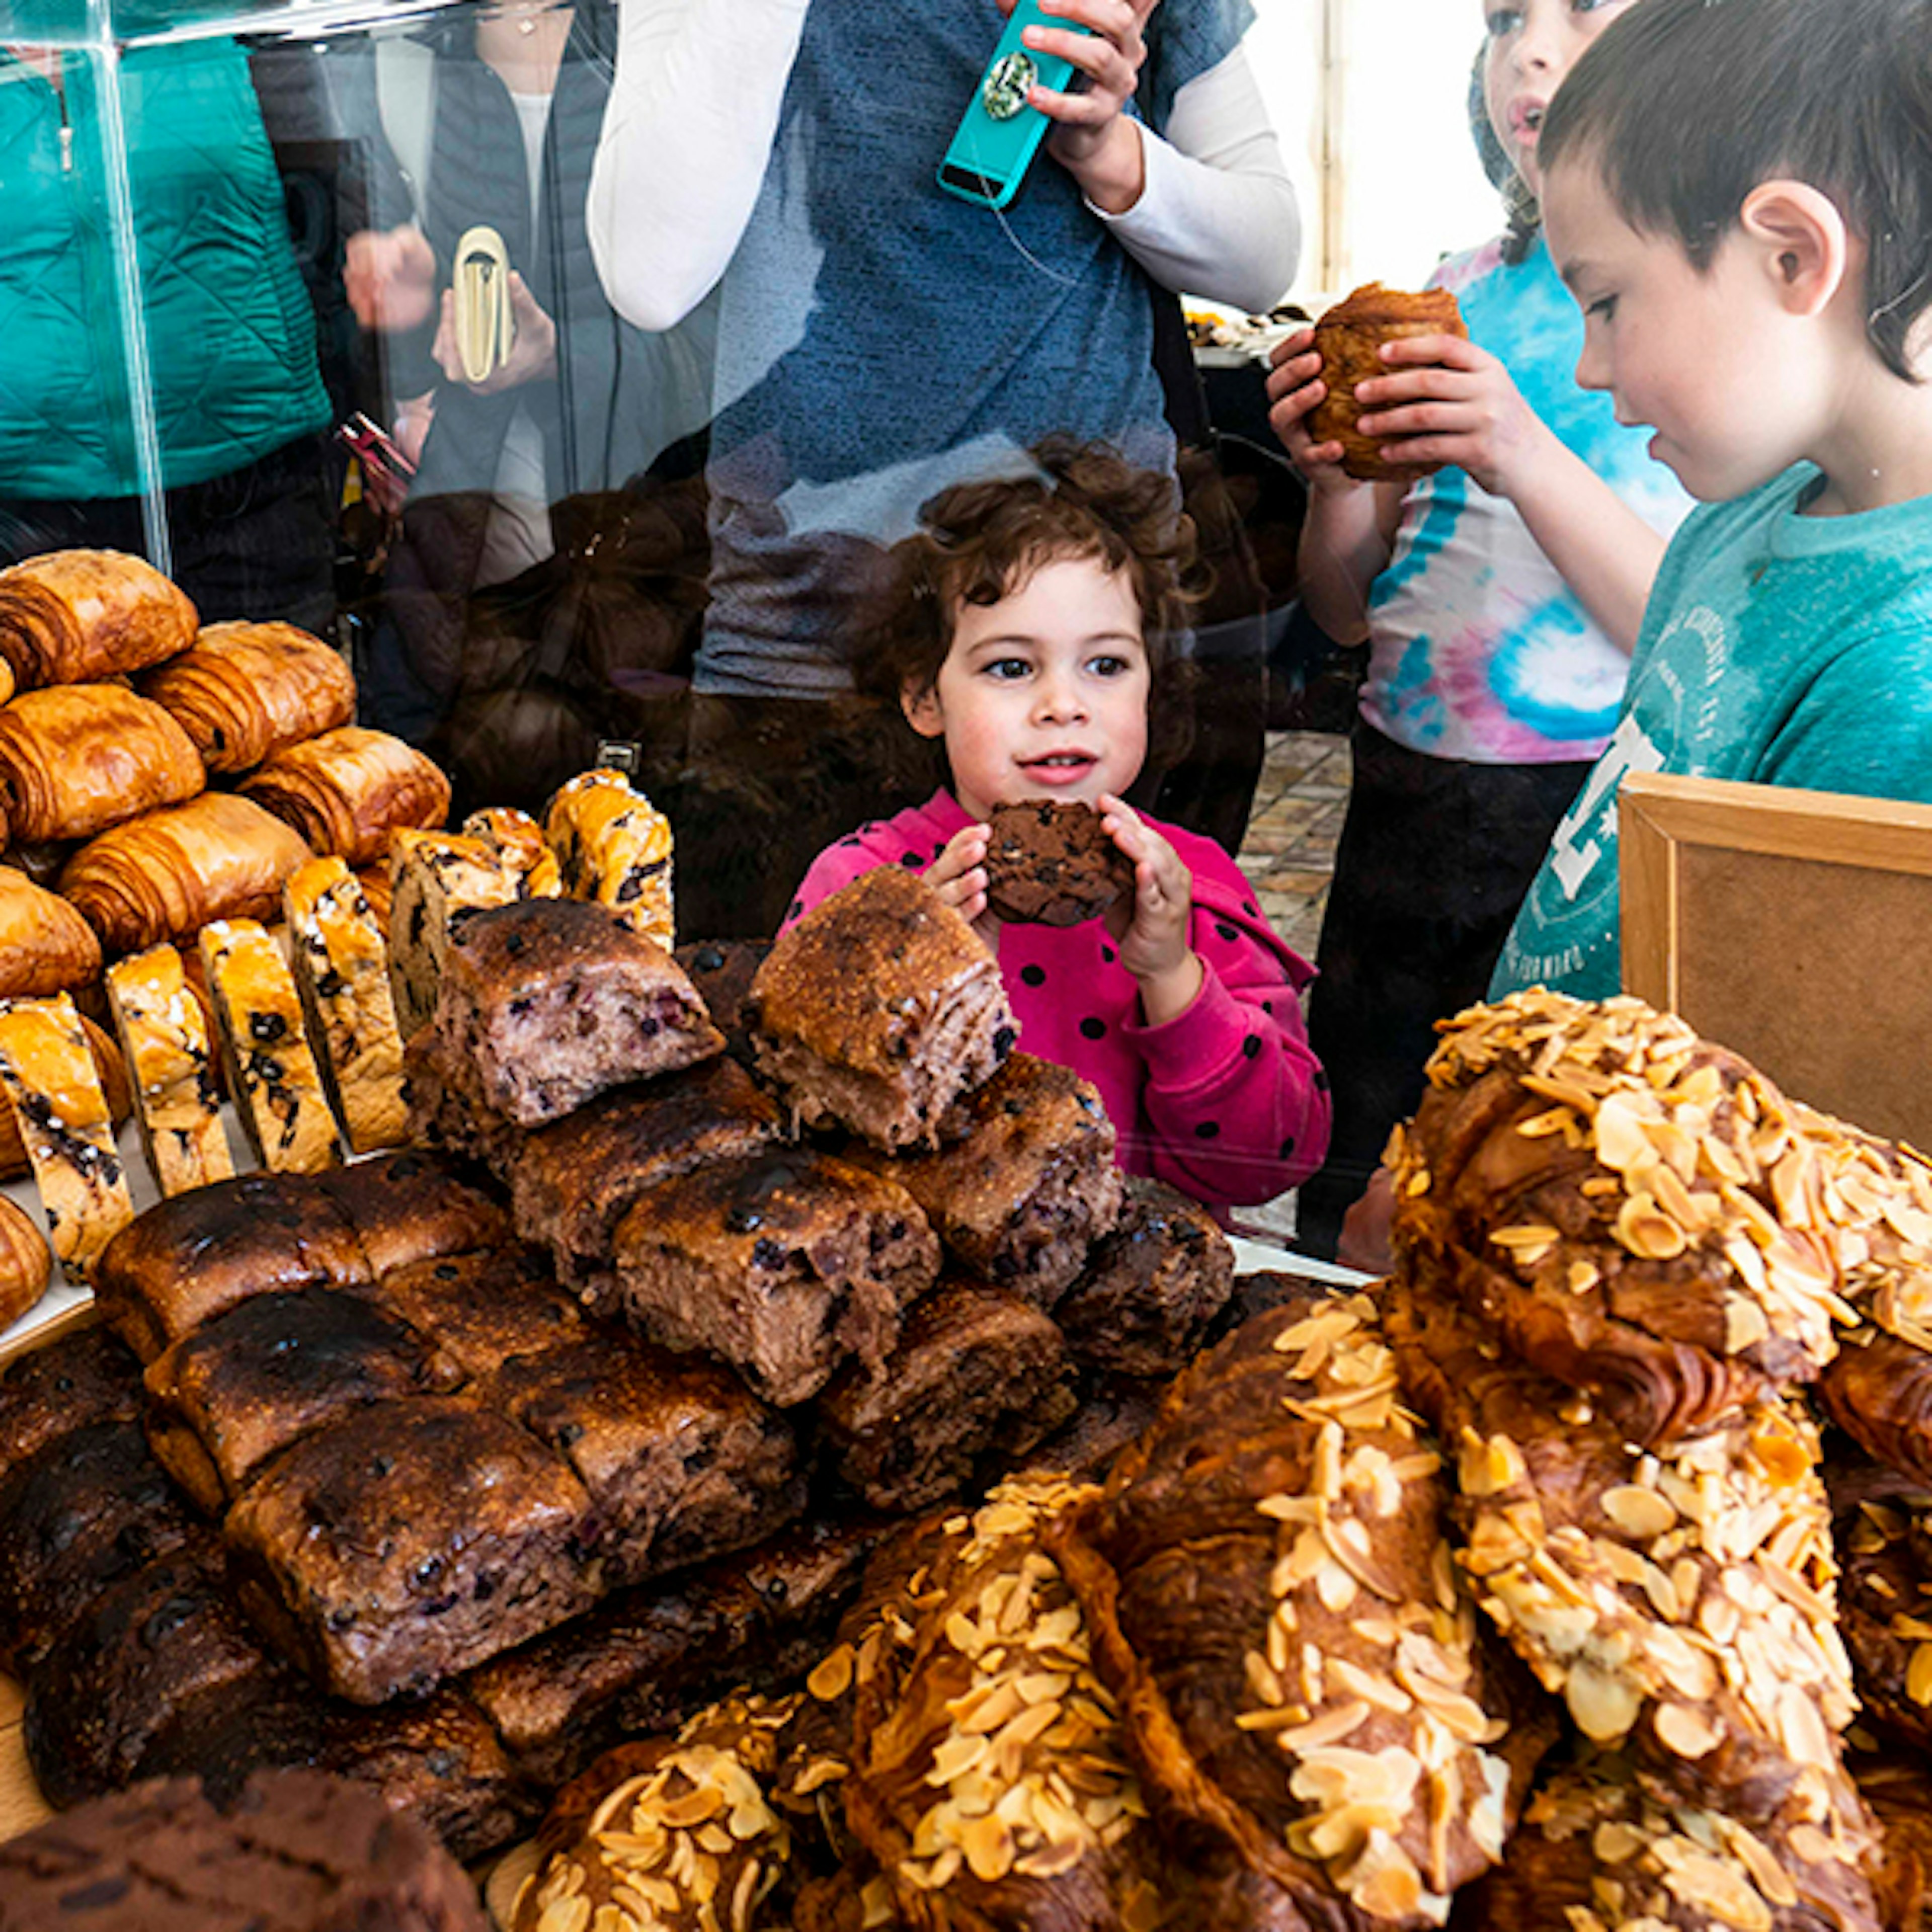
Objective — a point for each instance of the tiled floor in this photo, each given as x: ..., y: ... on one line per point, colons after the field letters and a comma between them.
x: 1290, y: 850
x: 1290, y: 856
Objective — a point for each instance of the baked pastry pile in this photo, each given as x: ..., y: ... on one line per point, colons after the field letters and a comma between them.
x: 1514, y: 1584
x: 379, y: 1488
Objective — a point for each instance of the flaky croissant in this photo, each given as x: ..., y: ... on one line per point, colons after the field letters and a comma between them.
x: 347, y: 791
x: 1633, y: 1211
x: 46, y: 947
x: 77, y: 758
x: 166, y: 875
x: 1349, y: 337
x: 73, y: 616
x: 245, y: 690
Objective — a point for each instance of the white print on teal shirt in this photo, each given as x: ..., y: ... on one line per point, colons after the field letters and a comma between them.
x: 1567, y: 934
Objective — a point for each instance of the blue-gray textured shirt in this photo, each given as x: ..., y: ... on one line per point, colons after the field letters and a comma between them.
x: 879, y: 339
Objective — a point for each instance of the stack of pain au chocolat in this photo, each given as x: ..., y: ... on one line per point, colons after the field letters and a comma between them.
x: 365, y: 1470
x: 1510, y: 1587
x: 159, y: 774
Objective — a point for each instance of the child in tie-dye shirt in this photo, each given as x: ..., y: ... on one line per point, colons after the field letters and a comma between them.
x: 1499, y: 597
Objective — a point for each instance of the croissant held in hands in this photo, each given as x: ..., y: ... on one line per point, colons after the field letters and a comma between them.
x: 1350, y: 337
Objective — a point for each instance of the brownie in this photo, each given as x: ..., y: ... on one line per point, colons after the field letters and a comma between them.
x: 681, y: 1460
x: 978, y: 1375
x: 439, y: 1760
x: 553, y: 1001
x: 190, y: 1257
x: 248, y: 1381
x: 484, y: 1309
x: 1152, y: 1287
x: 50, y: 1391
x: 783, y: 1263
x: 648, y: 1657
x: 1027, y: 1181
x: 405, y: 1543
x: 878, y: 1009
x: 411, y: 1205
x: 722, y: 970
x: 1052, y: 864
x: 571, y: 1181
x: 299, y: 1851
x: 115, y: 1680
x: 80, y: 1513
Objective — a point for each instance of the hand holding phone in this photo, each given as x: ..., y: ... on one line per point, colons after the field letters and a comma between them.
x: 999, y: 132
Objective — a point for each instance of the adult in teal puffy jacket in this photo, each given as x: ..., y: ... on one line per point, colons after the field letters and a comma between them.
x: 240, y: 409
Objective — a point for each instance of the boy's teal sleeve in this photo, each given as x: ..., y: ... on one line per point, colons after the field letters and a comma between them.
x: 1865, y: 725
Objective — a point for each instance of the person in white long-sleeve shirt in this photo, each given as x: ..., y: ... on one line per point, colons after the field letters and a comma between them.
x: 880, y: 339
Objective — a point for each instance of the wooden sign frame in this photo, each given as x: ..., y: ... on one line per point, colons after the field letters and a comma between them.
x: 1795, y: 927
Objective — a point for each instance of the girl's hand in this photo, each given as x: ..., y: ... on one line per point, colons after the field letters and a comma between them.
x: 1094, y: 139
x: 959, y: 876
x: 532, y: 342
x: 1152, y: 932
x: 1295, y: 386
x: 1445, y: 400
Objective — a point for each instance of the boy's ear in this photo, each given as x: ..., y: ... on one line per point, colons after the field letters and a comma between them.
x: 1802, y: 241
x: 920, y: 703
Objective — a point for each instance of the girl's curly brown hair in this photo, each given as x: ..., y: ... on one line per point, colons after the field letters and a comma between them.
x: 979, y: 542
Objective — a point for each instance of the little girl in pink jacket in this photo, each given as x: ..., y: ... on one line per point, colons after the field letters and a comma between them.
x: 1029, y: 634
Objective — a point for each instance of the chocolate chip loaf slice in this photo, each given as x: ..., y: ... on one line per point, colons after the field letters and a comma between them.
x: 783, y: 1264
x: 552, y: 1002
x: 164, y: 1034
x: 408, y: 1541
x: 878, y: 1009
x: 272, y: 1068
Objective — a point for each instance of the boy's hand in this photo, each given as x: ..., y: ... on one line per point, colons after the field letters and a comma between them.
x: 959, y: 876
x: 1295, y: 386
x: 1152, y: 932
x: 1445, y: 400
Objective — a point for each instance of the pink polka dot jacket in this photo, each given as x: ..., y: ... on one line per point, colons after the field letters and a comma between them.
x: 1226, y: 1101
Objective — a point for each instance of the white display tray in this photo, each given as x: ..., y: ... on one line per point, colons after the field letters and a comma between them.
x: 65, y: 1301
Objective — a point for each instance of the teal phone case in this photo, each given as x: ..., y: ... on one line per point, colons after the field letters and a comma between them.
x: 999, y: 132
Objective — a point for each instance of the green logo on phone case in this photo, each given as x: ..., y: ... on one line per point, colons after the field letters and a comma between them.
x: 1007, y: 81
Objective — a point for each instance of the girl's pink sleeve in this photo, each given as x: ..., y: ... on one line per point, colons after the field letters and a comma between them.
x: 834, y: 869
x: 1236, y: 1101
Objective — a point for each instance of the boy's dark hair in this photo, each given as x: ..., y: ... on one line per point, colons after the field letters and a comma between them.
x: 1687, y: 105
x: 980, y: 541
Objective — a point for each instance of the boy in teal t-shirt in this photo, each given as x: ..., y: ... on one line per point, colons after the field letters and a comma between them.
x: 1740, y: 199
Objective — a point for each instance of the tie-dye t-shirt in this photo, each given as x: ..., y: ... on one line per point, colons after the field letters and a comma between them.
x: 1478, y: 650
